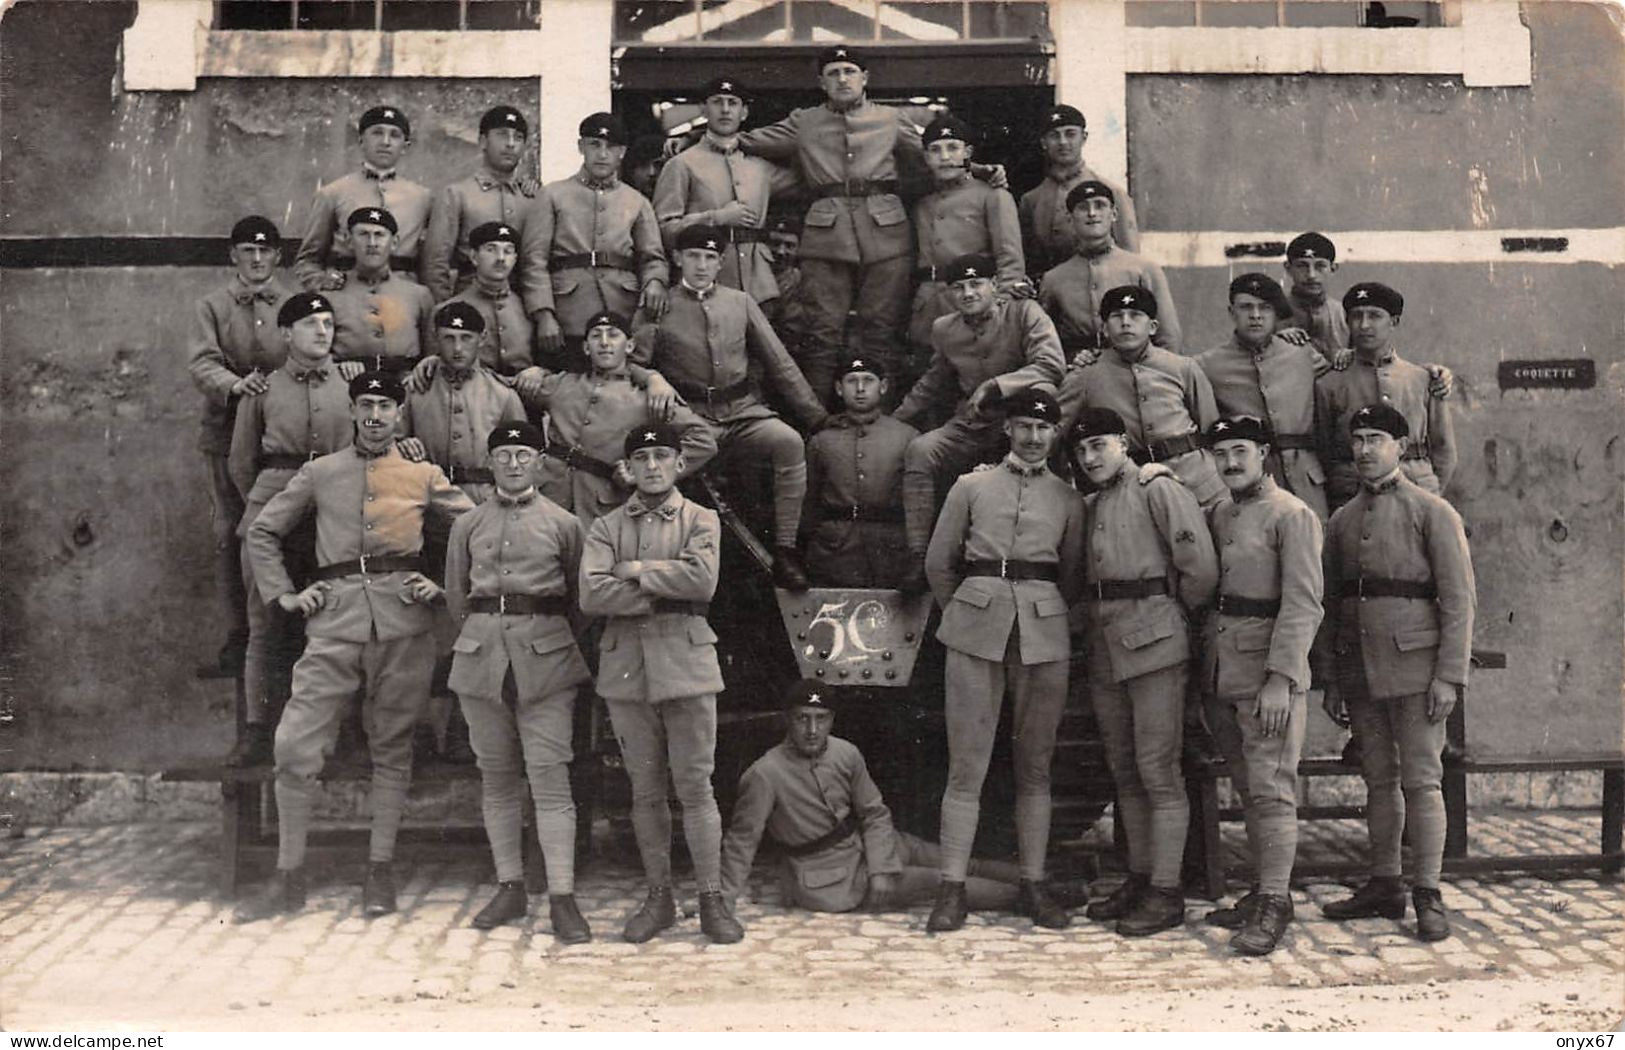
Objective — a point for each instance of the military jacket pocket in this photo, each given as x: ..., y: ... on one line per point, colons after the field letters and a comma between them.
x: 565, y: 281
x: 1047, y: 607
x: 823, y: 214
x: 700, y: 633
x: 466, y: 645
x: 1419, y: 638
x: 1253, y: 637
x: 973, y: 594
x: 818, y: 878
x: 887, y: 210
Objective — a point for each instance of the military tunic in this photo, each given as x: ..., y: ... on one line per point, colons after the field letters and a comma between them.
x: 454, y: 417
x: 854, y: 518
x: 1047, y: 235
x: 1325, y: 321
x: 385, y: 323
x: 327, y: 235
x: 508, y: 329
x: 1072, y: 291
x: 1276, y: 384
x: 1430, y: 458
x: 485, y: 196
x: 967, y: 217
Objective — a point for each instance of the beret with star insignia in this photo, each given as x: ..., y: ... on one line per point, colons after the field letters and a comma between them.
x: 1089, y: 189
x: 804, y: 693
x: 515, y: 432
x: 255, y: 229
x: 1064, y: 117
x: 379, y: 384
x: 296, y: 308
x: 1262, y: 286
x: 606, y: 318
x: 1385, y: 418
x: 373, y: 217
x: 1311, y: 246
x: 1032, y: 403
x: 861, y: 363
x: 841, y: 53
x: 1095, y: 421
x: 707, y: 237
x: 658, y: 434
x: 1240, y: 428
x: 1373, y: 293
x: 945, y: 127
x: 486, y: 232
x: 604, y: 126
x: 504, y: 117
x: 385, y: 115
x: 460, y: 315
x: 725, y: 85
x: 1128, y: 297
x: 969, y: 268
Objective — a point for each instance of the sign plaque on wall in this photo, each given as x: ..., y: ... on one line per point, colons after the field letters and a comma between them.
x: 1578, y: 373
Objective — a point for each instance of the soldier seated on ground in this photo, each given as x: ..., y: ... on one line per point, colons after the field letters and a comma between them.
x: 813, y: 796
x: 853, y: 517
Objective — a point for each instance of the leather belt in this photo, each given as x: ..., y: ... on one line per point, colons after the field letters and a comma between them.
x: 1009, y: 569
x: 713, y: 394
x: 672, y: 605
x: 842, y: 831
x: 744, y: 234
x: 575, y: 459
x: 1303, y: 441
x: 1173, y: 448
x: 889, y: 515
x: 1120, y: 590
x: 401, y: 263
x: 1383, y: 587
x: 522, y: 605
x: 370, y: 565
x: 590, y: 260
x: 284, y: 460
x: 470, y: 475
x: 855, y: 188
x: 925, y: 273
x: 383, y: 362
x: 1263, y: 608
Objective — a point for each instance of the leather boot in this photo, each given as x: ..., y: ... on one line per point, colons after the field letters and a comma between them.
x: 510, y: 903
x: 1235, y: 917
x: 950, y: 910
x: 1069, y: 893
x: 1384, y: 895
x: 1268, y: 918
x: 788, y: 571
x: 283, y: 895
x: 717, y: 922
x: 1353, y: 754
x: 569, y: 925
x: 1036, y: 903
x: 378, y: 894
x: 1159, y: 909
x: 229, y: 664
x: 1121, y: 902
x: 256, y: 746
x: 1432, y: 922
x: 658, y: 912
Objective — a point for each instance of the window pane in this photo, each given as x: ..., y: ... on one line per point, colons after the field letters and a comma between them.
x: 420, y: 14
x: 739, y: 22
x: 923, y: 21
x: 1234, y: 13
x: 633, y: 18
x: 254, y: 14
x: 1020, y: 20
x: 1154, y: 13
x: 819, y: 22
x: 1404, y: 14
x: 1323, y: 13
x: 335, y: 14
x: 504, y: 14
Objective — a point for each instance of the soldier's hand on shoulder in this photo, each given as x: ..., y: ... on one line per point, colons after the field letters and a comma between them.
x: 662, y: 396
x: 423, y: 374
x: 419, y: 589
x: 332, y: 281
x: 992, y: 174
x: 253, y: 384
x: 1440, y: 381
x: 1342, y: 358
x: 1085, y: 357
x: 529, y: 381
x: 412, y: 449
x: 1441, y: 700
x: 1150, y: 472
x: 348, y: 370
x: 1022, y: 289
x: 1295, y: 335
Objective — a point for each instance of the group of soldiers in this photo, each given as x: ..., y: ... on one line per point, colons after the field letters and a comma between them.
x: 464, y: 434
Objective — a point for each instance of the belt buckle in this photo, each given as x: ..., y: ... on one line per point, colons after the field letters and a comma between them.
x: 592, y: 257
x: 1359, y: 588
x: 502, y: 604
x: 1100, y: 591
x: 362, y: 561
x: 852, y: 512
x: 1004, y: 568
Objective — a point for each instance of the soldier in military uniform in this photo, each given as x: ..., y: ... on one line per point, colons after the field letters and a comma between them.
x: 1255, y: 665
x: 384, y: 321
x: 1380, y: 376
x: 367, y: 611
x: 495, y: 192
x: 1150, y: 563
x: 509, y: 347
x: 1009, y: 538
x: 1311, y: 258
x: 1047, y: 235
x: 591, y: 244
x: 960, y: 216
x: 511, y: 576
x: 1075, y: 287
x: 303, y: 412
x: 813, y: 796
x: 856, y: 246
x: 234, y: 344
x: 1392, y: 654
x: 709, y: 345
x: 325, y: 253
x: 990, y: 348
x: 714, y: 183
x: 588, y: 417
x: 650, y: 566
x: 853, y: 518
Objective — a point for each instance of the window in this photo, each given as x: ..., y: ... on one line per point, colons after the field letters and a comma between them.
x: 1308, y: 14
x: 378, y: 15
x: 827, y: 21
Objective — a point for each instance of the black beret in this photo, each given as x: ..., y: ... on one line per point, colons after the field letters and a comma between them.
x: 609, y: 317
x: 656, y: 434
x: 969, y: 267
x: 1064, y: 116
x: 385, y: 115
x: 374, y: 216
x: 460, y: 315
x: 802, y: 693
x: 1087, y: 189
x: 256, y: 229
x: 725, y: 85
x: 841, y: 53
x: 1372, y: 293
x: 1097, y: 422
x: 1262, y: 287
x: 1380, y: 417
x: 707, y: 237
x: 785, y: 224
x: 296, y: 308
x: 861, y: 363
x: 603, y: 126
x: 383, y: 384
x: 1128, y: 297
x: 1240, y: 428
x: 515, y: 432
x: 486, y: 232
x: 1311, y: 246
x: 946, y: 126
x: 1033, y: 404
x: 504, y: 117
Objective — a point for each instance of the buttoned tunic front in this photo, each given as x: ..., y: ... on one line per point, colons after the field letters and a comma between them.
x: 1326, y: 322
x: 508, y: 329
x: 1072, y: 291
x: 463, y: 206
x: 385, y: 322
x: 327, y: 234
x: 854, y: 477
x: 966, y: 217
x: 454, y: 417
x: 702, y: 179
x: 233, y: 333
x: 1430, y: 458
x: 303, y: 412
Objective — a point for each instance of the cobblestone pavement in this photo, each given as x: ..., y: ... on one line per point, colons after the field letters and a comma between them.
x: 119, y: 927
